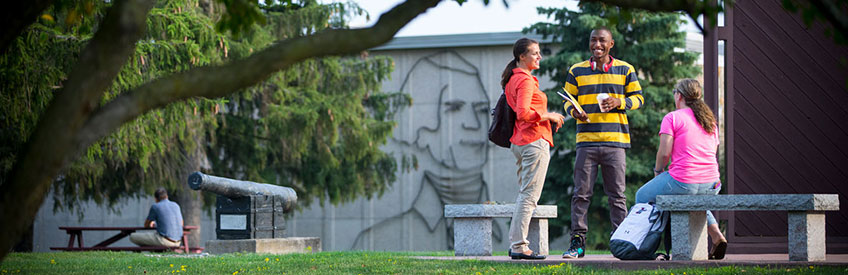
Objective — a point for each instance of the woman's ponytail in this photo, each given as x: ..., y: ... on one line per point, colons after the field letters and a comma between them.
x: 690, y: 89
x: 507, y: 73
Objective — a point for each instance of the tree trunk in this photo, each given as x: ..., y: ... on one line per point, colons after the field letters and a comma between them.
x: 25, y: 245
x: 55, y: 141
x: 191, y: 201
x: 191, y: 204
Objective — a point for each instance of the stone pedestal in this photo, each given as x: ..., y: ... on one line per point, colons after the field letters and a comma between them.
x: 273, y: 246
x: 538, y: 236
x: 806, y: 236
x: 689, y: 236
x: 472, y: 237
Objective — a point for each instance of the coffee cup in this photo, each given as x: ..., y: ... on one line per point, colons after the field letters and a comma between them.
x: 601, y: 98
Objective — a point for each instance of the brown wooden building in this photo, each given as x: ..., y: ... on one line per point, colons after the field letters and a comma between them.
x: 785, y: 111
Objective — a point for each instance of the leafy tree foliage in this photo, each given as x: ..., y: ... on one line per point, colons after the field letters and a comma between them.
x: 647, y: 41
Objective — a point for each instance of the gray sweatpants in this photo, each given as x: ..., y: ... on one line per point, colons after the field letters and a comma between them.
x: 613, y: 164
x: 532, y: 160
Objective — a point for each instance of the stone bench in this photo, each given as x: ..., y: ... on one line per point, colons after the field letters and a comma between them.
x: 806, y: 220
x: 472, y: 227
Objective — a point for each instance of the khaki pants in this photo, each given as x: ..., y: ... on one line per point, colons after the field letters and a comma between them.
x: 532, y: 160
x: 151, y: 238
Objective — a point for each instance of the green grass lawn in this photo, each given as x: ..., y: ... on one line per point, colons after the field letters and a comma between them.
x: 354, y: 262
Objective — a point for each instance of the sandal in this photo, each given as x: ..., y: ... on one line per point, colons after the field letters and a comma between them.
x: 717, y: 253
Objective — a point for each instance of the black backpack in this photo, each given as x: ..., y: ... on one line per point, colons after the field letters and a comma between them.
x: 503, y: 121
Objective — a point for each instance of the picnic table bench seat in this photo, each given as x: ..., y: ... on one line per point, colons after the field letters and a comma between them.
x: 75, y: 237
x: 179, y: 249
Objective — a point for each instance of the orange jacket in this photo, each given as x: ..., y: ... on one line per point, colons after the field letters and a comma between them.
x: 529, y: 103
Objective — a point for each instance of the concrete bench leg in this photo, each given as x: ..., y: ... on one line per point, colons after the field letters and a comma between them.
x: 538, y: 236
x: 806, y: 236
x: 472, y: 236
x: 689, y: 236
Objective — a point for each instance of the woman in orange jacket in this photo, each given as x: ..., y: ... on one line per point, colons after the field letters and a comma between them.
x: 531, y: 139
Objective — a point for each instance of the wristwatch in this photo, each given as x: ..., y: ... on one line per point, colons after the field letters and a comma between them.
x: 658, y: 171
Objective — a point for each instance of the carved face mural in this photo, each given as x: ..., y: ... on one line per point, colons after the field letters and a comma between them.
x: 450, y: 111
x: 446, y: 126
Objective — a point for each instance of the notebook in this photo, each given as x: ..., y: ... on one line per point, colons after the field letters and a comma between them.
x: 567, y: 96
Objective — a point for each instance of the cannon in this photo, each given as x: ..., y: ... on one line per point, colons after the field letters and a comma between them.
x: 246, y: 209
x: 239, y: 188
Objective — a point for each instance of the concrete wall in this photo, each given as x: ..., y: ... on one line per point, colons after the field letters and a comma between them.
x: 445, y: 129
x: 444, y: 132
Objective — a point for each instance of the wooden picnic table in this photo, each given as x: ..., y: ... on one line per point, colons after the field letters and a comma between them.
x: 75, y: 234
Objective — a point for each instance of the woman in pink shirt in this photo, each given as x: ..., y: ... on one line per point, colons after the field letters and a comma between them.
x: 689, y: 138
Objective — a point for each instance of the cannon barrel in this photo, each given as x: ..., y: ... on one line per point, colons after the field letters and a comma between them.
x: 239, y: 188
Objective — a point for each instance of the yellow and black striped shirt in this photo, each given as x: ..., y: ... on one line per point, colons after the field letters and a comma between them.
x: 604, y: 129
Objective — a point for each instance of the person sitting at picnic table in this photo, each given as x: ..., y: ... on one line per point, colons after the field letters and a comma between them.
x: 166, y: 217
x: 689, y: 137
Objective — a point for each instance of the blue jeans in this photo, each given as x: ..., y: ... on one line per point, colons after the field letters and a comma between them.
x: 664, y: 184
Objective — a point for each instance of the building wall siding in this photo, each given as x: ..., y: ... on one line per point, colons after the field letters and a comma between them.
x: 788, y: 114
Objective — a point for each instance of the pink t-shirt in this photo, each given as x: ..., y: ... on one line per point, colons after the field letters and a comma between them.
x: 693, y: 155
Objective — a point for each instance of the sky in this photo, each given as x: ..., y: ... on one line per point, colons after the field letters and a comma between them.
x: 472, y: 17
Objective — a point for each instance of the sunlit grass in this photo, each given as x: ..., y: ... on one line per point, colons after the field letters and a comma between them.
x: 352, y: 262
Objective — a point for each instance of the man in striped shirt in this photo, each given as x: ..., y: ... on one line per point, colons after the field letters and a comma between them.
x: 603, y: 133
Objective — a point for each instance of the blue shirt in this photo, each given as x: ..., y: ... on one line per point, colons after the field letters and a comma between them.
x: 168, y: 219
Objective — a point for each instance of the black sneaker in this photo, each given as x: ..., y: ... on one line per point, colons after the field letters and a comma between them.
x: 577, y: 249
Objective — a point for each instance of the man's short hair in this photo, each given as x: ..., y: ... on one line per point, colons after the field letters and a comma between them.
x: 602, y: 28
x: 160, y: 193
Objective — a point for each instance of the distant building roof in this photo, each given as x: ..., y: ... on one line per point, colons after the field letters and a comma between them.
x: 457, y: 40
x: 694, y: 41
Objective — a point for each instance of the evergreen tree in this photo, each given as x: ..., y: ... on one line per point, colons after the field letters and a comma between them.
x: 308, y: 127
x: 646, y: 40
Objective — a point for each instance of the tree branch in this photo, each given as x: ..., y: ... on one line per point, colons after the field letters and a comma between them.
x: 17, y: 17
x: 53, y: 143
x: 693, y: 7
x: 217, y: 81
